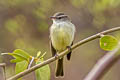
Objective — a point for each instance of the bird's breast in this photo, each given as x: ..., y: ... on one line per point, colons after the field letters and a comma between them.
x: 61, y: 36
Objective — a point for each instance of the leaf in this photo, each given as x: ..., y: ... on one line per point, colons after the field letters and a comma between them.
x: 42, y: 73
x: 18, y: 57
x: 21, y: 52
x: 21, y: 66
x: 38, y: 54
x: 108, y: 42
x: 41, y: 57
x: 16, y: 60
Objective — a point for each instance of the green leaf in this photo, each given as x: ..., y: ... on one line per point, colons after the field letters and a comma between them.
x: 42, y: 57
x: 18, y: 56
x: 38, y: 54
x: 42, y: 73
x: 108, y: 42
x: 21, y: 66
x: 16, y: 60
x: 21, y: 52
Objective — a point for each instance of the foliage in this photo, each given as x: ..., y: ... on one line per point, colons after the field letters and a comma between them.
x: 42, y: 73
x: 21, y: 66
x: 22, y: 60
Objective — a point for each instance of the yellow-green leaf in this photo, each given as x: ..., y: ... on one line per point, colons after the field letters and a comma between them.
x: 16, y: 60
x: 18, y: 57
x: 21, y: 66
x: 42, y: 73
x: 108, y: 42
x: 23, y: 53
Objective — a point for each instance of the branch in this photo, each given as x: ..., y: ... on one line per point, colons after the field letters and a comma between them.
x: 102, y: 65
x: 21, y: 74
x: 4, y: 72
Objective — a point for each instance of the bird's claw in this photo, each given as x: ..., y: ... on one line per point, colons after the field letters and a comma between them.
x: 56, y: 56
x: 69, y: 48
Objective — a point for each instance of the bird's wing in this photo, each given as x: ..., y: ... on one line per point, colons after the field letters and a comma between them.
x: 52, y: 49
x: 69, y: 54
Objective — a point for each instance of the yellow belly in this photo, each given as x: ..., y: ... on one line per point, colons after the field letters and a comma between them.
x: 61, y: 39
x: 62, y: 35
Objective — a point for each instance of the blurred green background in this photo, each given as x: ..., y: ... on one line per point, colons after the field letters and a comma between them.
x: 25, y: 24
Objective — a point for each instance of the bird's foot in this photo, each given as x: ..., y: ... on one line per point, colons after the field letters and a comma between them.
x: 56, y: 56
x: 69, y: 48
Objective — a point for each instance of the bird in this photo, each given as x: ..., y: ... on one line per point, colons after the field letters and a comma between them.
x: 62, y: 33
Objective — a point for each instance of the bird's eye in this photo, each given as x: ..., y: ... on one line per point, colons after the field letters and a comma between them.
x: 59, y: 17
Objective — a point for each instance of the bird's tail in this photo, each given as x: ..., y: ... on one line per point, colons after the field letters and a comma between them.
x: 59, y: 68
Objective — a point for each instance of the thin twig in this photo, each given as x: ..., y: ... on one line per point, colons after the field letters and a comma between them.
x: 4, y: 72
x: 31, y: 62
x: 102, y: 64
x: 21, y: 74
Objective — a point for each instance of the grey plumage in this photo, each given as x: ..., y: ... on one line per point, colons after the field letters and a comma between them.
x: 62, y: 35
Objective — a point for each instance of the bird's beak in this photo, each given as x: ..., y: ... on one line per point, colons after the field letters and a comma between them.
x: 52, y: 17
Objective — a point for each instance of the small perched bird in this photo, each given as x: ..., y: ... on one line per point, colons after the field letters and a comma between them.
x: 62, y: 35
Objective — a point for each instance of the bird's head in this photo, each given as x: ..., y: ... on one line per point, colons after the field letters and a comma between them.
x: 60, y: 16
